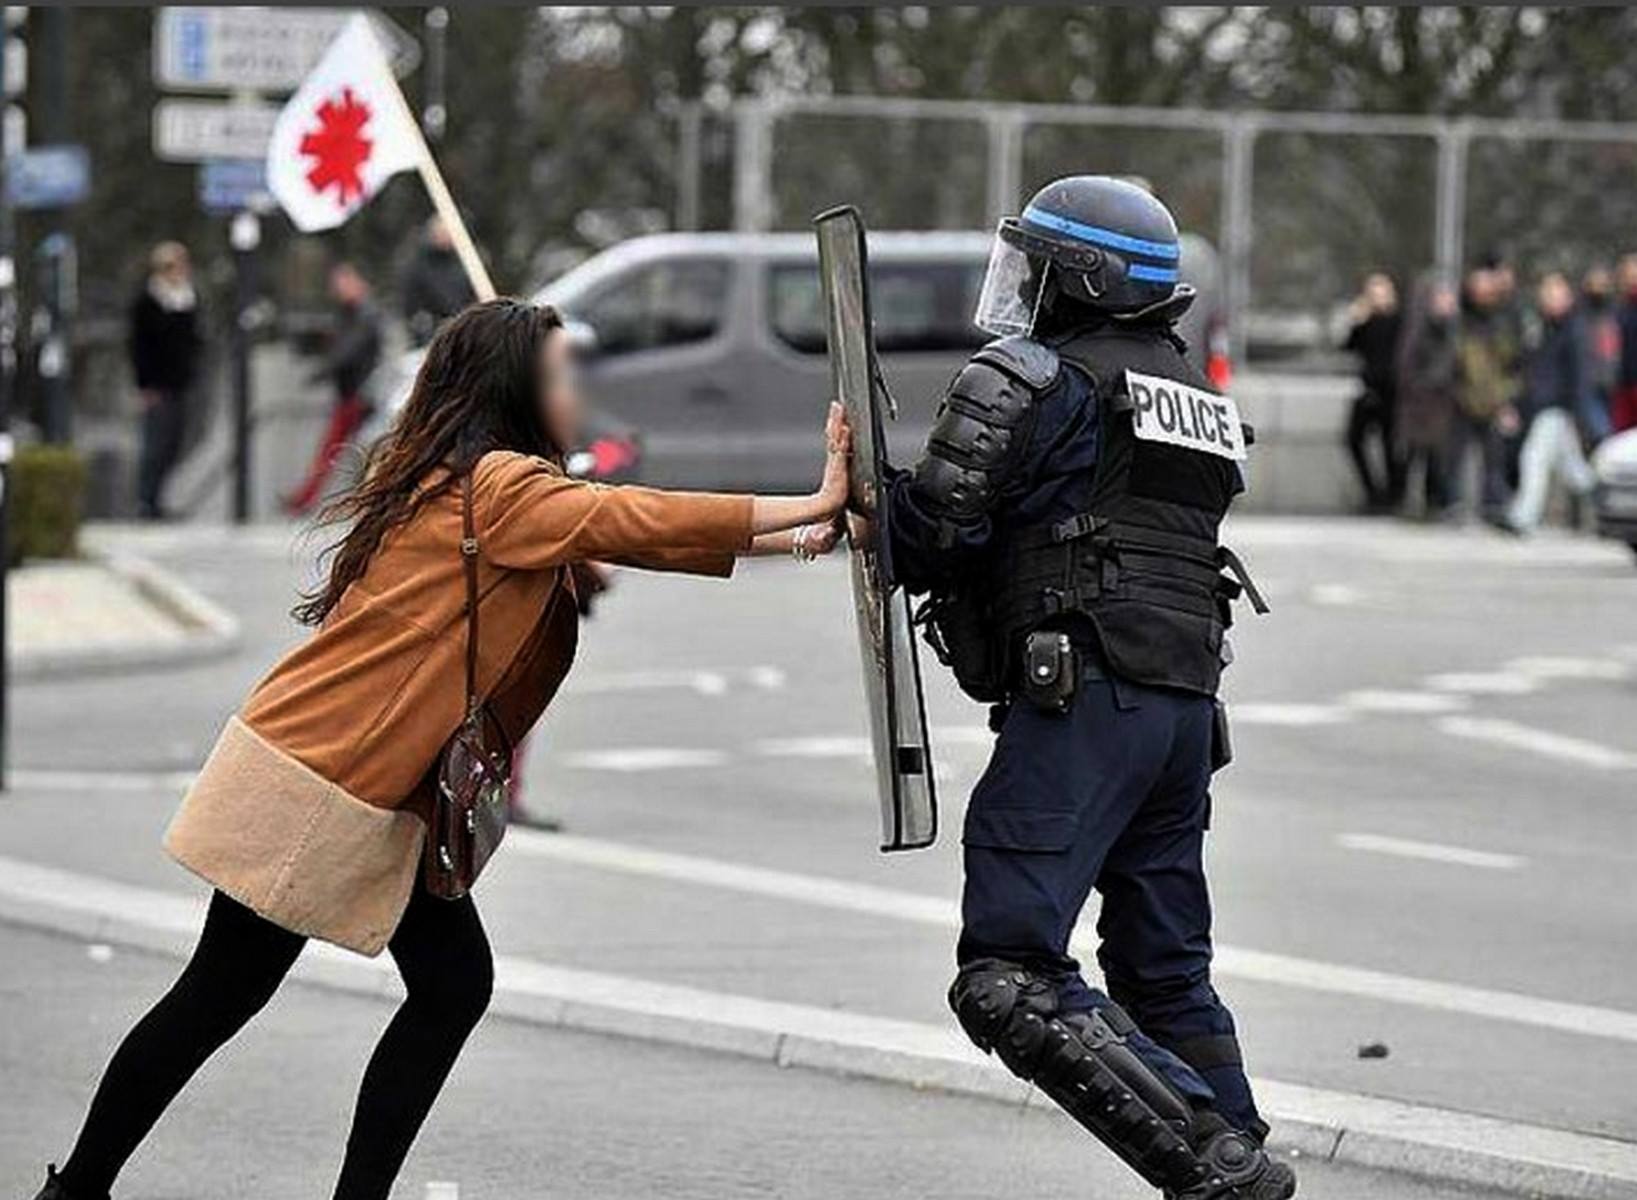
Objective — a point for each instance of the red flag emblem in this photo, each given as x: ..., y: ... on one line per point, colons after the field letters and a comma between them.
x: 336, y: 148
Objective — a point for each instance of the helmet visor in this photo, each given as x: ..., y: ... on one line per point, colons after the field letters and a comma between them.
x: 1011, y: 291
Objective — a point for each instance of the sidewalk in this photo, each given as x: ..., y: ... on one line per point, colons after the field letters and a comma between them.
x: 108, y: 613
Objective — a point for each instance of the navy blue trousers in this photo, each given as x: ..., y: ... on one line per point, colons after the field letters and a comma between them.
x: 1114, y: 795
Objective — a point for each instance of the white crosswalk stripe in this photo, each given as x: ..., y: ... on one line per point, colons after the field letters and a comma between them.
x: 1430, y: 851
x: 1562, y: 747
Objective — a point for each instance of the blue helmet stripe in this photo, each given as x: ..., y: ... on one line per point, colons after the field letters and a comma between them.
x: 1100, y: 236
x: 1152, y: 274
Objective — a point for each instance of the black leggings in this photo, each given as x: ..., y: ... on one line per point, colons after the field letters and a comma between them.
x: 443, y: 957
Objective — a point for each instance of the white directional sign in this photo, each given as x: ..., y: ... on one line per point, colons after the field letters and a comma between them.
x: 257, y: 49
x: 196, y: 130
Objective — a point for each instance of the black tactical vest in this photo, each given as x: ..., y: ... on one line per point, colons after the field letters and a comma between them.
x: 1141, y: 563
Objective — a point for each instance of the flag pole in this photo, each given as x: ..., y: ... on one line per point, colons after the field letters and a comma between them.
x: 427, y: 167
x: 476, y: 273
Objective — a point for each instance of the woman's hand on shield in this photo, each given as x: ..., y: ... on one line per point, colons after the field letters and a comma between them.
x: 838, y: 449
x: 777, y: 514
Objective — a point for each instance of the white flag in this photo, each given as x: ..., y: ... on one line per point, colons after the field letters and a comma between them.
x: 342, y: 135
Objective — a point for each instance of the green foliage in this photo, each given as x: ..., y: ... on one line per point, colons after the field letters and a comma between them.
x: 46, y: 503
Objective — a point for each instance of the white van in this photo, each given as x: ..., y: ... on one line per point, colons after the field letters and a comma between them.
x: 711, y: 345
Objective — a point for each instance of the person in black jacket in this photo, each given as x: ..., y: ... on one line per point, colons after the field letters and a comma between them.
x: 1374, y: 336
x: 355, y: 349
x: 164, y: 347
x: 435, y: 286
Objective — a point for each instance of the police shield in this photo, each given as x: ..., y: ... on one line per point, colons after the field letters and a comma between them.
x: 892, y: 674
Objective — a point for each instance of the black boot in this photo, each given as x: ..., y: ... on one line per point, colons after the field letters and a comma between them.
x: 54, y: 1189
x: 1239, y: 1168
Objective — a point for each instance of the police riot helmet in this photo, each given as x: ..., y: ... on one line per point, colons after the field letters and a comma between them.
x: 1100, y: 241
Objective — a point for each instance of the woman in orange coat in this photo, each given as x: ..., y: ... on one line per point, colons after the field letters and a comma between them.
x: 308, y: 818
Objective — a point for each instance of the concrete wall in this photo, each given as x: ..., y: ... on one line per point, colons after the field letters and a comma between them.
x: 1299, y: 463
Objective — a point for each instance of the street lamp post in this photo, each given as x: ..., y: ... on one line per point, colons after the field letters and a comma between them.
x: 244, y: 236
x: 8, y: 380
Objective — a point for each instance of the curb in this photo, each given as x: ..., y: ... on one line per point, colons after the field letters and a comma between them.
x: 211, y: 631
x: 1308, y: 1122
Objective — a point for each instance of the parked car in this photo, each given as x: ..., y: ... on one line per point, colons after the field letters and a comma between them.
x: 712, y: 344
x: 1615, y: 462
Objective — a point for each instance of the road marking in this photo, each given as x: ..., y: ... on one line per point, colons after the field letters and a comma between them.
x: 813, y: 747
x: 1335, y: 595
x: 768, y: 678
x: 100, y: 781
x: 1385, y: 700
x: 1556, y: 666
x: 1511, y: 734
x: 706, y: 681
x: 1484, y: 683
x: 644, y: 758
x: 918, y: 908
x: 1431, y: 851
x: 843, y: 746
x: 1258, y: 713
x: 819, y: 891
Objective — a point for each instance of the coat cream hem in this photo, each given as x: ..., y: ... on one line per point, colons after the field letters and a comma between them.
x: 294, y: 847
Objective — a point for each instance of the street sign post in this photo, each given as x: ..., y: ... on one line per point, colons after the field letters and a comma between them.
x: 197, y: 130
x: 48, y: 176
x: 226, y: 49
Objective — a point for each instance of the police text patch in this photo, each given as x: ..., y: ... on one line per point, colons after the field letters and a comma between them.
x: 1163, y: 410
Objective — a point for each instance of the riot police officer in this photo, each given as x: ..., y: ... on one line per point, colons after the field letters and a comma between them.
x: 1063, y: 524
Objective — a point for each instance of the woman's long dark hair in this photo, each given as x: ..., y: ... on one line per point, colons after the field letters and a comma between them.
x: 478, y: 390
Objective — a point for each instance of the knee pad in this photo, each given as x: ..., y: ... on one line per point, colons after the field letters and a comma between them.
x: 1082, y: 1062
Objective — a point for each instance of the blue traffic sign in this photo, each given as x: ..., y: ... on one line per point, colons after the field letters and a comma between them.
x: 232, y: 184
x: 48, y: 176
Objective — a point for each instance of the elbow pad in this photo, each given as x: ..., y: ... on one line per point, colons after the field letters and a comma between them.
x: 982, y: 426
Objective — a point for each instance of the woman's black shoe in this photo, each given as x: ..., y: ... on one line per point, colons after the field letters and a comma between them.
x: 54, y: 1189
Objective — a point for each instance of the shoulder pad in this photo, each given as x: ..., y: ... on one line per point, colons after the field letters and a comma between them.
x: 1023, y: 358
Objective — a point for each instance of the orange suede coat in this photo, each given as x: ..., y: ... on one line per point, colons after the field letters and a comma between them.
x: 309, y: 809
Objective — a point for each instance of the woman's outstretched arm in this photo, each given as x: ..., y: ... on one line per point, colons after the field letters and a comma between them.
x: 532, y: 517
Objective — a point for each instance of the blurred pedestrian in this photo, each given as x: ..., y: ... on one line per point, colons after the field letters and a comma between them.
x: 354, y: 350
x: 1623, y: 413
x: 165, y: 346
x: 435, y: 286
x: 1555, y: 384
x: 1428, y: 377
x: 1508, y: 300
x: 1489, y: 353
x: 1376, y: 325
x: 1600, y: 326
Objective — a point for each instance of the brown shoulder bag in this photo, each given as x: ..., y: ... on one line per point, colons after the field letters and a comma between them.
x: 474, y: 768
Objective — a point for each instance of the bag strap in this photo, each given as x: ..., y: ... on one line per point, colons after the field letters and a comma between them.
x: 468, y: 554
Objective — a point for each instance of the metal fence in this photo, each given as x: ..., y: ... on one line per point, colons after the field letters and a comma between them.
x: 1300, y: 204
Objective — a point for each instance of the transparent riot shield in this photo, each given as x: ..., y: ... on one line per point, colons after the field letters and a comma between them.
x: 892, y: 674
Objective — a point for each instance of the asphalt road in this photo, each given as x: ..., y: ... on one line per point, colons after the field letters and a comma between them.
x: 527, y: 1113
x: 1427, y: 840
